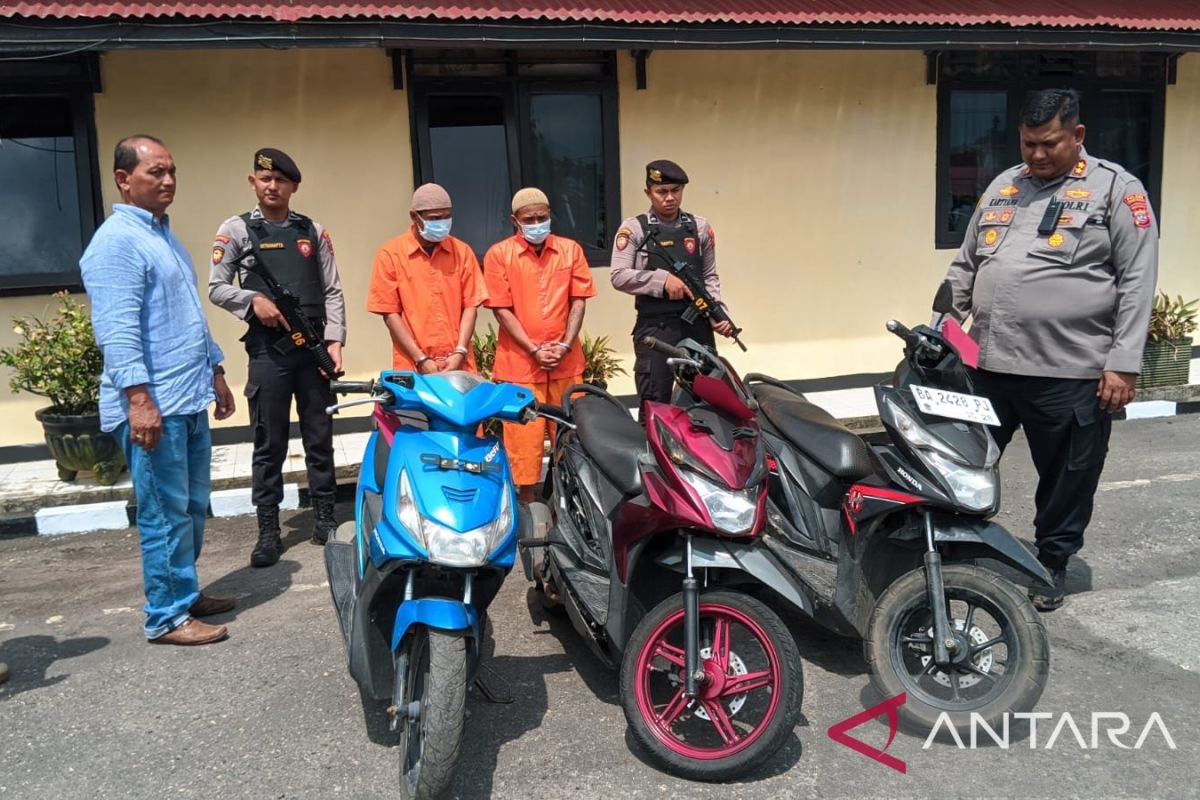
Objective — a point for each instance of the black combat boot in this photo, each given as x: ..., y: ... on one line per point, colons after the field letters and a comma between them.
x: 270, y: 545
x: 324, y: 525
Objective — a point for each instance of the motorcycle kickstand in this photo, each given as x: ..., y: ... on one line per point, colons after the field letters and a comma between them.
x: 490, y: 694
x: 944, y: 642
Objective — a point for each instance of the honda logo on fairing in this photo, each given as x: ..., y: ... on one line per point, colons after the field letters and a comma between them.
x: 890, y: 707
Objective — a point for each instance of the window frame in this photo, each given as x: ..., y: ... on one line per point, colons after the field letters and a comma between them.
x: 516, y: 91
x: 1016, y: 88
x: 77, y: 81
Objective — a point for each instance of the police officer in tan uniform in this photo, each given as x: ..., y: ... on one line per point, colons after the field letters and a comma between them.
x: 1058, y: 272
x: 644, y: 249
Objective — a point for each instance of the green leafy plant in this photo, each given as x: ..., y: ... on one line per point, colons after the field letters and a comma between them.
x: 1172, y: 320
x: 57, y: 358
x: 485, y: 351
x: 600, y: 361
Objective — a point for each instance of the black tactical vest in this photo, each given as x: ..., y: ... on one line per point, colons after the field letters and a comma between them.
x: 678, y: 243
x: 290, y: 254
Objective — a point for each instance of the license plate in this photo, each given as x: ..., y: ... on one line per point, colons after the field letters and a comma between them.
x: 954, y: 405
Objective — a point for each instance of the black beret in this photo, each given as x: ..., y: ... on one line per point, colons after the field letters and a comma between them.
x: 663, y: 171
x: 281, y: 162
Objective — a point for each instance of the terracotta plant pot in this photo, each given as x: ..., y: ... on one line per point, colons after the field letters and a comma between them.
x: 1165, y: 363
x: 77, y: 444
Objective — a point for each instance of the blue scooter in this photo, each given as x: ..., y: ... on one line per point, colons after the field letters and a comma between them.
x: 434, y: 535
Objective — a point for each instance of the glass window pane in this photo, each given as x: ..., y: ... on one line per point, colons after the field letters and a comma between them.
x: 39, y: 190
x: 568, y: 163
x: 1118, y: 129
x: 470, y: 159
x: 978, y: 147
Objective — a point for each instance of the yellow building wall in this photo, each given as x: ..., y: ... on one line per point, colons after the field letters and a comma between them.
x: 815, y: 168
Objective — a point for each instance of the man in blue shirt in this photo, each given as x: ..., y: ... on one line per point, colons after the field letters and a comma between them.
x: 161, y: 370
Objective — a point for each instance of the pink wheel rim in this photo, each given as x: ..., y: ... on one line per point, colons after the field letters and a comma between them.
x: 716, y: 692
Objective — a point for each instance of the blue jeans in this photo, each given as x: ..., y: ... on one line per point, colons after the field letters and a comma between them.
x: 172, y: 483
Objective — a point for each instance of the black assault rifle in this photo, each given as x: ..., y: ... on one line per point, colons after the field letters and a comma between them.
x: 302, y: 333
x: 702, y: 304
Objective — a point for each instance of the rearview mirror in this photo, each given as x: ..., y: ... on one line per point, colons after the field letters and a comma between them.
x: 943, y: 301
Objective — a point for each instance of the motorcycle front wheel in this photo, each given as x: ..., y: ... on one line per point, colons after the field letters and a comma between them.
x: 747, y: 705
x: 1000, y: 663
x: 431, y: 697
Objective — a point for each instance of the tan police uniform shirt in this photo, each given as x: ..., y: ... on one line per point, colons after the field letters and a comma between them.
x: 1069, y: 304
x: 630, y: 273
x: 233, y: 241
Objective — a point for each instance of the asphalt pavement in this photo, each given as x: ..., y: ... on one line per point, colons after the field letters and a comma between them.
x: 93, y: 711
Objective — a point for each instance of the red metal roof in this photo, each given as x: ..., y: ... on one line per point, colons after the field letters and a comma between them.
x: 1124, y: 14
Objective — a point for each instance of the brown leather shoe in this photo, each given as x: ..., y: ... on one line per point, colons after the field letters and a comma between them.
x: 210, y: 606
x: 193, y: 632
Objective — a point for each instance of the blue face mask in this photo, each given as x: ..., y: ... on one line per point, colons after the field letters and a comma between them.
x: 537, y: 232
x: 434, y: 230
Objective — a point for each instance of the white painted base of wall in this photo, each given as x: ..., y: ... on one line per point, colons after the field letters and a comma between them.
x: 237, y: 503
x: 109, y: 516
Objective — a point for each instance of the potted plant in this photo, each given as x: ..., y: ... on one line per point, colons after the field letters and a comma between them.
x: 599, y: 361
x: 1168, y: 354
x: 57, y: 358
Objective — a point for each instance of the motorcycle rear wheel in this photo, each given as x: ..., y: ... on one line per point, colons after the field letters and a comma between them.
x: 745, y: 710
x: 1004, y: 652
x: 434, y: 665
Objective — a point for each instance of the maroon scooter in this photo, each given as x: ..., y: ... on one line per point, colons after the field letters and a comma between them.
x: 648, y: 542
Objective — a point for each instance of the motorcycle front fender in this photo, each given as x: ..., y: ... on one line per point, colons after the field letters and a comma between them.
x: 755, y: 561
x: 441, y: 613
x: 1002, y: 544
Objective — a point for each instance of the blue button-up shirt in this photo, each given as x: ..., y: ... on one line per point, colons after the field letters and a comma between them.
x: 147, y: 317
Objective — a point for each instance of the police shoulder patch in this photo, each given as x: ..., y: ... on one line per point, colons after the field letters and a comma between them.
x: 1139, y: 207
x: 623, y: 238
x: 218, y: 254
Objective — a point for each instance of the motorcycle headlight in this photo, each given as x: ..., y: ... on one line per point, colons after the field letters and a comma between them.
x: 679, y: 454
x: 916, y: 434
x: 974, y: 489
x: 447, y: 546
x: 731, y: 511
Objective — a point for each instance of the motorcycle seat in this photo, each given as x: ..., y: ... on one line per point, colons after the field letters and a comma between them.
x: 815, y: 432
x: 612, y: 438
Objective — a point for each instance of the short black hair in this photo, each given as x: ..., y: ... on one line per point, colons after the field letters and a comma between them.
x: 1044, y: 105
x: 125, y: 155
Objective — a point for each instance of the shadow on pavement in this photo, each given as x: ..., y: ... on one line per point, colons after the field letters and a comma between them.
x: 30, y: 657
x: 600, y: 680
x: 252, y: 586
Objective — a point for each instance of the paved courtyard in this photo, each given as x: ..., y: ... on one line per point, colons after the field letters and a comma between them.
x: 92, y: 711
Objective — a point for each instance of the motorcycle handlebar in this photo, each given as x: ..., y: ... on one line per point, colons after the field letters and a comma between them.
x: 352, y: 387
x: 664, y: 348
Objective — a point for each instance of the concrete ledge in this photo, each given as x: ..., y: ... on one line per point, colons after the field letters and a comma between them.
x: 83, y: 518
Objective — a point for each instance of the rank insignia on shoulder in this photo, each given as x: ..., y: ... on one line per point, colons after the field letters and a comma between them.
x: 1080, y: 168
x: 1009, y: 191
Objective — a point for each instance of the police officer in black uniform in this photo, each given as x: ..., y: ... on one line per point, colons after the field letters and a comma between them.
x: 644, y: 249
x: 297, y: 253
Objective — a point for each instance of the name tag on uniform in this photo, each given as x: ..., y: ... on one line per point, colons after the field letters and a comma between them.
x: 271, y: 246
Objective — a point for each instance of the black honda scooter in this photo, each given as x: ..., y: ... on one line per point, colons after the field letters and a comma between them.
x: 882, y: 536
